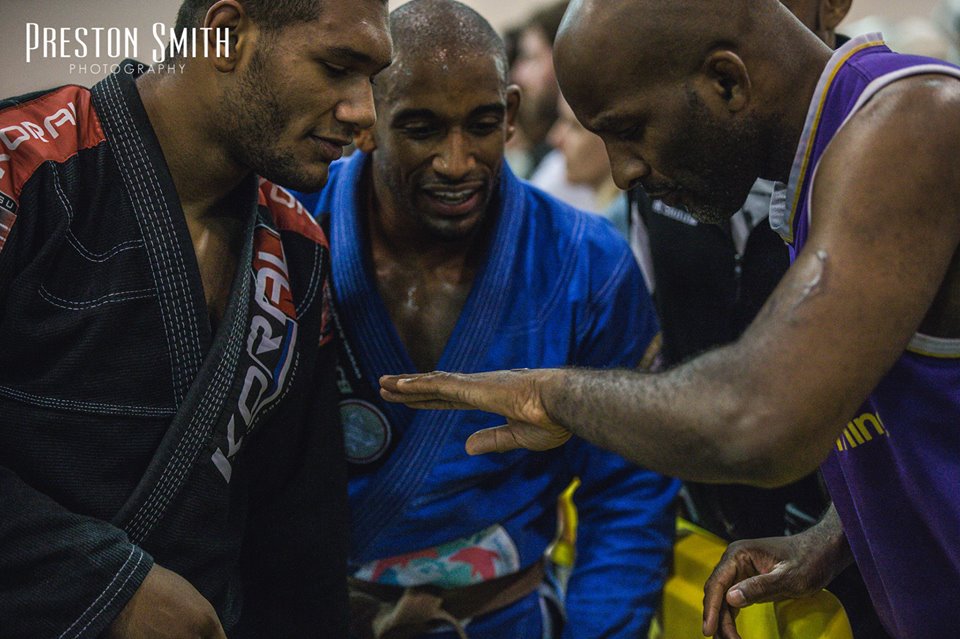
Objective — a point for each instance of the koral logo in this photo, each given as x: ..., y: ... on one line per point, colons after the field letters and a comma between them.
x: 14, y: 135
x: 270, y: 347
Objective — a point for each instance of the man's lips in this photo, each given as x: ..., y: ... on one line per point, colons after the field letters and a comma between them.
x: 456, y: 199
x: 331, y: 149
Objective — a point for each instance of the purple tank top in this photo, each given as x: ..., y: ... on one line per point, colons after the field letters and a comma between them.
x: 894, y: 473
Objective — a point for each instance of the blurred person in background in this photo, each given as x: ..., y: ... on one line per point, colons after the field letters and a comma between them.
x: 586, y: 164
x: 532, y: 71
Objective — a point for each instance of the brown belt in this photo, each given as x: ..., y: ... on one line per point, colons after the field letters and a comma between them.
x: 381, y: 611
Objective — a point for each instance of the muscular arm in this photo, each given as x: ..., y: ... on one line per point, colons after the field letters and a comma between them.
x: 766, y: 409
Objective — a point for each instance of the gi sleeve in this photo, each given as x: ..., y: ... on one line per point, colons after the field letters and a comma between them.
x: 61, y: 574
x: 626, y: 514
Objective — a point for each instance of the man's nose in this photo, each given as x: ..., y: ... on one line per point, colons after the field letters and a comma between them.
x: 456, y: 158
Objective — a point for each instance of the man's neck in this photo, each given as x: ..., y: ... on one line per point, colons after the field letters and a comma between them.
x: 202, y: 171
x: 799, y: 79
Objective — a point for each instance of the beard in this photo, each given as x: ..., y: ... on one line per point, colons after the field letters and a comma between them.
x: 720, y: 160
x: 254, y: 124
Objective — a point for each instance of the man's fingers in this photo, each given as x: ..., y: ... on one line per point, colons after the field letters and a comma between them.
x: 723, y: 576
x: 759, y: 589
x: 422, y: 401
x: 498, y: 439
x: 435, y: 384
x: 728, y: 625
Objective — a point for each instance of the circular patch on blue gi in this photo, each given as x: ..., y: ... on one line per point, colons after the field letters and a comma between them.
x: 366, y: 431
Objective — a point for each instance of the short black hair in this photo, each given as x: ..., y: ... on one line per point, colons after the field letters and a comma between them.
x: 432, y: 28
x: 269, y: 15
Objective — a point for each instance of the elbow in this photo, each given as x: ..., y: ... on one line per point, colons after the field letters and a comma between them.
x: 768, y: 449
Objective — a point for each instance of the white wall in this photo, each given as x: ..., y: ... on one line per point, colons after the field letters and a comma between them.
x: 17, y: 76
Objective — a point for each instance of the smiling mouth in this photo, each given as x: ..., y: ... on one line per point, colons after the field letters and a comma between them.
x: 454, y: 201
x: 452, y: 197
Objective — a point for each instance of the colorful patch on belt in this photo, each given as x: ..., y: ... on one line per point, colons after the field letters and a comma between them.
x: 486, y: 555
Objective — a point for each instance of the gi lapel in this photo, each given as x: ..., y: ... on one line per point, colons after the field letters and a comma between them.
x: 204, y: 407
x: 206, y: 370
x: 381, y: 351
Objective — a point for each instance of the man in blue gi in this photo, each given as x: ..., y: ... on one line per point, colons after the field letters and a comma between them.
x: 170, y: 459
x: 441, y: 257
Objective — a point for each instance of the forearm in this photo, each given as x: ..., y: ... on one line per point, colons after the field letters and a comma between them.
x: 710, y: 420
x: 827, y: 539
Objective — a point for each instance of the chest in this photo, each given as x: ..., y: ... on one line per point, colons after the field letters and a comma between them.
x: 216, y: 247
x: 424, y: 305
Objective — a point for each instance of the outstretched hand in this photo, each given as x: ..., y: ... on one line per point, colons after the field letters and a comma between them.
x: 515, y: 394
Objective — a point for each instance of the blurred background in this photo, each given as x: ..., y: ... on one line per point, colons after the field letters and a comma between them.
x: 913, y: 22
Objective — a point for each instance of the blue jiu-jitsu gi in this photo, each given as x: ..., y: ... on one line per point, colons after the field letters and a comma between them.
x: 559, y: 288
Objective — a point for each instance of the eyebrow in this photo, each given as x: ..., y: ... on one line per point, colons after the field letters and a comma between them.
x: 494, y: 107
x: 427, y: 114
x: 413, y: 114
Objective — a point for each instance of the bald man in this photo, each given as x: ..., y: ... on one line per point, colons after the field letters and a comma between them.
x: 441, y: 257
x: 854, y: 361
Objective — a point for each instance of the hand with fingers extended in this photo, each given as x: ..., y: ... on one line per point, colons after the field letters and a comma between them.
x: 166, y: 606
x: 772, y: 569
x: 515, y: 394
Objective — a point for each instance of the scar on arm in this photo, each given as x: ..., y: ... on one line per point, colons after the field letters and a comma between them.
x: 817, y: 280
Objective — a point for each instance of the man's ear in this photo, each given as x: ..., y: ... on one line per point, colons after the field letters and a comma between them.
x: 725, y: 78
x: 513, y: 105
x: 365, y: 140
x: 832, y: 13
x: 229, y: 16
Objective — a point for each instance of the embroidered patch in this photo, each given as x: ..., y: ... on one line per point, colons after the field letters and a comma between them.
x: 366, y: 431
x: 489, y: 554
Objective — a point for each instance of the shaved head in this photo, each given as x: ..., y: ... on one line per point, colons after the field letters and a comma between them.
x: 695, y: 99
x: 444, y: 113
x: 443, y: 32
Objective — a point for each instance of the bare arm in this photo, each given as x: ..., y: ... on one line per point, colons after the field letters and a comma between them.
x: 766, y: 409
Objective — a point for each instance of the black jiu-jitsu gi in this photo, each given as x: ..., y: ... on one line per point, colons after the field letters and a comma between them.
x: 131, y: 431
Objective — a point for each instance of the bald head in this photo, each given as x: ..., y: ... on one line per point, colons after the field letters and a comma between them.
x: 442, y: 33
x: 655, y: 37
x: 695, y: 99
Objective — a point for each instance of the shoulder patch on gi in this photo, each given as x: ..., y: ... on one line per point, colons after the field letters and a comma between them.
x: 51, y: 127
x: 288, y: 214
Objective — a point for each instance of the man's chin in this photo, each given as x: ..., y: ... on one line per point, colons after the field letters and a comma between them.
x: 303, y: 181
x: 709, y: 214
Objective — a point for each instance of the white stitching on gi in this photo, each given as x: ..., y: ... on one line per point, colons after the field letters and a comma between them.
x: 109, y: 298
x: 100, y: 596
x: 74, y: 405
x: 74, y: 241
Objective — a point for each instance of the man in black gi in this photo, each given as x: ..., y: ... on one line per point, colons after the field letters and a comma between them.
x: 169, y: 463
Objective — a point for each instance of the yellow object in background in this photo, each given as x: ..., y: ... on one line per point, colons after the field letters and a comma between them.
x: 695, y: 554
x: 563, y: 551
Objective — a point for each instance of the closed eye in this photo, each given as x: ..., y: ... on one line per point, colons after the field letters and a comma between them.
x: 334, y: 70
